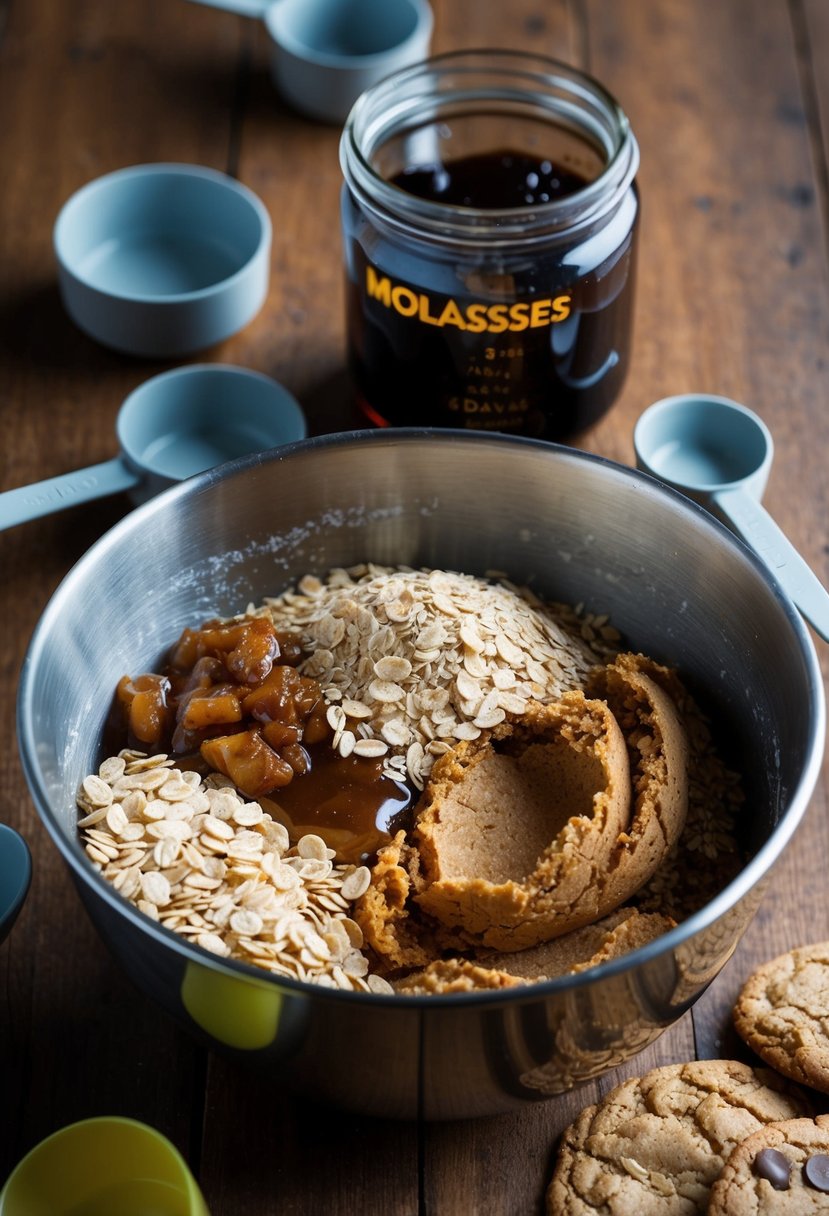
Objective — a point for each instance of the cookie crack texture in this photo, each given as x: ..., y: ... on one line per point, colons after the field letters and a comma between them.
x: 783, y: 1014
x: 676, y: 1125
x: 740, y: 1189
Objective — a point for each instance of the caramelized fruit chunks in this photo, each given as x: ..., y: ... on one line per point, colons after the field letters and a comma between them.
x: 225, y: 695
x: 252, y: 766
x: 248, y: 648
x: 206, y: 707
x: 148, y: 711
x: 283, y: 696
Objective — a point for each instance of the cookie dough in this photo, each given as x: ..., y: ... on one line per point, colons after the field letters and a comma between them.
x: 557, y: 820
x: 519, y: 831
x: 396, y: 938
x: 782, y: 1013
x: 778, y: 1169
x: 617, y: 934
x: 655, y: 1145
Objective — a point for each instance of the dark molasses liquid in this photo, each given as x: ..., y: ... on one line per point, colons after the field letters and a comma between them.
x: 529, y: 338
x: 492, y: 181
x: 348, y: 801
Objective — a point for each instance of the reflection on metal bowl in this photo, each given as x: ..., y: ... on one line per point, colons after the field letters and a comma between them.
x: 573, y: 526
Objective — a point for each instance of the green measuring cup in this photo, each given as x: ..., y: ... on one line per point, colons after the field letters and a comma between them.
x: 107, y: 1166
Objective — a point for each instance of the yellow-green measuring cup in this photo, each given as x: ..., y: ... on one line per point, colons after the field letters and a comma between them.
x: 107, y: 1166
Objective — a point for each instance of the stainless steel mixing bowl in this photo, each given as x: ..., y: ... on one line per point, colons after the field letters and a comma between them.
x: 572, y: 526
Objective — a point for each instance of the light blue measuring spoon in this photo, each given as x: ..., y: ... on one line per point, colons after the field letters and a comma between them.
x: 719, y: 453
x: 171, y: 427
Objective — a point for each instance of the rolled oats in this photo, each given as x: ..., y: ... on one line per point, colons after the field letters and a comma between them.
x: 96, y: 791
x: 224, y: 876
x: 93, y: 817
x: 116, y: 820
x: 422, y: 655
x: 371, y: 749
x: 112, y: 768
x: 346, y: 743
x: 357, y: 883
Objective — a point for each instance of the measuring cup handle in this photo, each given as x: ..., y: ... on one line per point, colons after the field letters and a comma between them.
x: 243, y: 8
x: 754, y: 524
x: 56, y: 493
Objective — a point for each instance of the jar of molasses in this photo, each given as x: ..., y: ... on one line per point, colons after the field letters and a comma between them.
x: 489, y: 219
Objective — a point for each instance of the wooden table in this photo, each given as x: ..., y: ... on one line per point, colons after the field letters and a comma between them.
x: 728, y: 101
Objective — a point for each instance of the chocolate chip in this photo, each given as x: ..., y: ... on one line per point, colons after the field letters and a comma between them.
x: 816, y: 1170
x: 774, y: 1166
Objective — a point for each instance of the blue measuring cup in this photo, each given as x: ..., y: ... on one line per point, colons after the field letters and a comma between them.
x: 719, y: 453
x: 171, y: 427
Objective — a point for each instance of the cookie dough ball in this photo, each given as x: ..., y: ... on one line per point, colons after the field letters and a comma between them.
x: 518, y: 832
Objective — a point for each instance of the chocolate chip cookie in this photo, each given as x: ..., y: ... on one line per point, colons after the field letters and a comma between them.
x: 782, y: 1168
x: 655, y: 1145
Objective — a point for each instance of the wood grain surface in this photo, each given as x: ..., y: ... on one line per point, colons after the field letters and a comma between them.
x: 730, y: 104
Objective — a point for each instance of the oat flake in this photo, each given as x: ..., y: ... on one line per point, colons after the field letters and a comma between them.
x: 408, y: 633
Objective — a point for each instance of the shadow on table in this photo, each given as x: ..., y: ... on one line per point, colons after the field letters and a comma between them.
x: 35, y: 330
x: 330, y: 405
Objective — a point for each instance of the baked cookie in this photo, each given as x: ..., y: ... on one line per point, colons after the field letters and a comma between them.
x: 783, y: 1167
x: 559, y: 818
x: 655, y: 1145
x: 783, y: 1014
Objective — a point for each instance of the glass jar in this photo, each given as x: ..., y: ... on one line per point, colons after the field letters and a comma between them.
x: 489, y: 219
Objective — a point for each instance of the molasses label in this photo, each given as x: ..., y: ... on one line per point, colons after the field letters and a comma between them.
x: 478, y: 363
x: 533, y: 344
x: 471, y: 317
